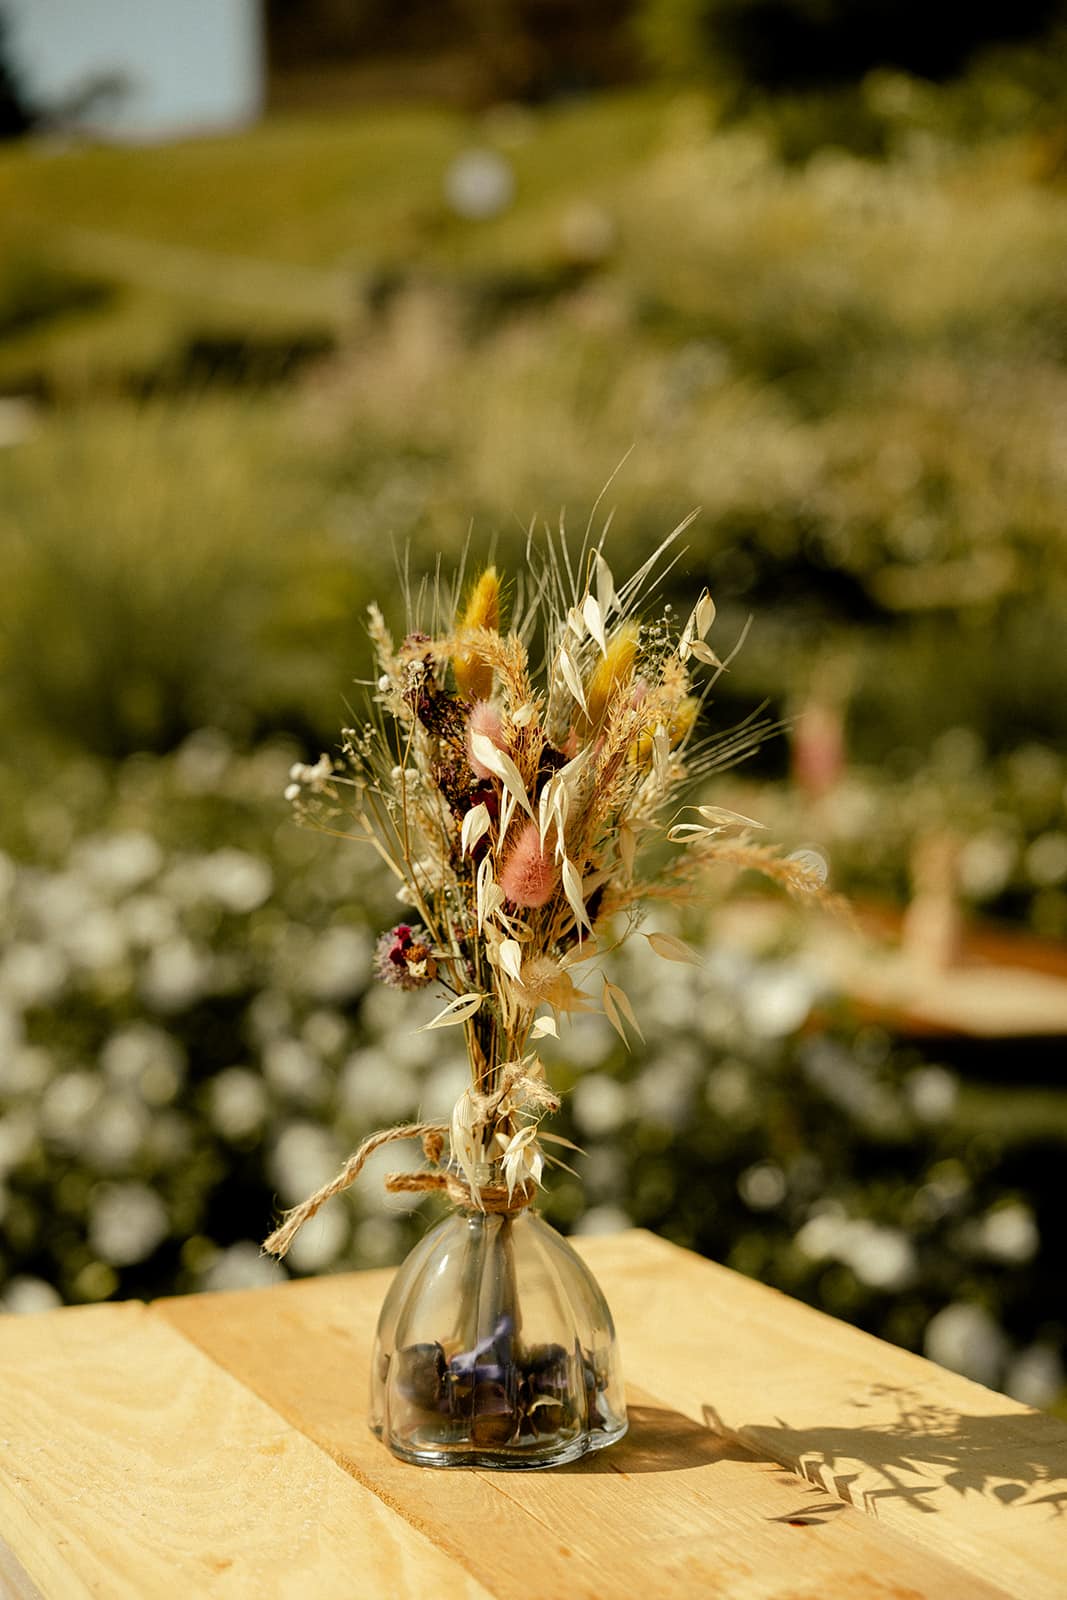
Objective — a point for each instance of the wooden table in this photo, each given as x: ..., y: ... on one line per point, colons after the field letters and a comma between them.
x: 217, y: 1446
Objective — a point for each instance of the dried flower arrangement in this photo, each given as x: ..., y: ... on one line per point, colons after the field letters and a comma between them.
x: 518, y: 810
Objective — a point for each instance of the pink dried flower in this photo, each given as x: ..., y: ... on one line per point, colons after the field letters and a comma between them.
x: 529, y: 875
x: 402, y: 958
x: 483, y: 719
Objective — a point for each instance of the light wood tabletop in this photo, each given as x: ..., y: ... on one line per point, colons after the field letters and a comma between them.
x: 217, y: 1446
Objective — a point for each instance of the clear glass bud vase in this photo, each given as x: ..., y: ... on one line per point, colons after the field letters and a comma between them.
x: 495, y: 1348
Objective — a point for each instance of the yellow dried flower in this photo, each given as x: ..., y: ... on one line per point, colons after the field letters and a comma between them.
x: 613, y: 669
x: 474, y: 675
x: 679, y: 725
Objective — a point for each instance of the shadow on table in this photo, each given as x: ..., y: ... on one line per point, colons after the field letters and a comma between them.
x: 660, y: 1440
x: 927, y: 1453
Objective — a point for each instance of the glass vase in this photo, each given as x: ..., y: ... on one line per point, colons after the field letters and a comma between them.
x: 495, y: 1348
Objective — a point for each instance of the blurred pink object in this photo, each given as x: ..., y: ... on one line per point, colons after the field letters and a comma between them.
x: 818, y: 748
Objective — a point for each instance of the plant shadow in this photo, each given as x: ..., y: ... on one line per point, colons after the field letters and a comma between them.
x: 924, y: 1457
x: 661, y: 1440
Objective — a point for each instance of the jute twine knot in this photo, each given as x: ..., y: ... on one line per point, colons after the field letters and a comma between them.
x: 491, y: 1198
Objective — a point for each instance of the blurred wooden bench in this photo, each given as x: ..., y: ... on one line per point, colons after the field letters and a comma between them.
x: 217, y: 1446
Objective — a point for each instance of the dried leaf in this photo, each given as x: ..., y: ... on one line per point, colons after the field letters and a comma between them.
x: 456, y: 1011
x: 605, y: 586
x: 685, y: 832
x: 467, y: 1151
x: 578, y: 953
x: 571, y: 677
x: 617, y: 1005
x: 502, y: 767
x: 544, y: 1027
x: 728, y: 819
x: 507, y: 811
x: 672, y: 949
x: 572, y: 888
x: 475, y: 826
x: 705, y: 653
x: 594, y: 621
x: 557, y: 1138
x: 627, y: 848
x: 509, y: 956
x: 704, y: 614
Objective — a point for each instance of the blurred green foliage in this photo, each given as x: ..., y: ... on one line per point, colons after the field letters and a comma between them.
x: 236, y: 371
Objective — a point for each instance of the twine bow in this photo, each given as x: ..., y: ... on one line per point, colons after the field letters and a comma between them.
x: 493, y: 1198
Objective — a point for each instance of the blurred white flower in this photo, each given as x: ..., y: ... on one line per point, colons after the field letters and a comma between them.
x: 603, y: 1219
x: 237, y: 1102
x: 325, y: 1032
x: 443, y: 1087
x: 401, y: 1157
x: 776, y: 1001
x: 126, y: 1223
x: 479, y: 184
x: 32, y: 975
x: 294, y: 1070
x: 965, y: 1338
x: 115, y: 1133
x: 933, y: 1093
x: 590, y: 1039
x: 175, y: 976
x: 269, y: 1015
x: 728, y: 1092
x: 881, y: 1257
x: 321, y: 1241
x: 1046, y: 859
x: 116, y: 863
x: 1009, y: 1234
x: 56, y: 901
x: 763, y: 1186
x: 304, y: 1157
x: 663, y: 1090
x: 18, y: 1135
x: 822, y: 1235
x: 25, y: 1071
x: 200, y: 763
x: 601, y: 1104
x: 1036, y: 1376
x: 96, y: 941
x: 12, y: 1031
x: 67, y: 1104
x: 337, y: 965
x: 147, y: 1058
x: 25, y: 1296
x: 169, y: 1139
x: 378, y: 1242
x: 985, y: 864
x: 375, y: 1089
x: 148, y: 919
x: 242, y: 1266
x: 238, y: 881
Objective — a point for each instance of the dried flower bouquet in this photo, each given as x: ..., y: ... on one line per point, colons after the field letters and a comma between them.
x: 530, y: 817
x: 520, y: 812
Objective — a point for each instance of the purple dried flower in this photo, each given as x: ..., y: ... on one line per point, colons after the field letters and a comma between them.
x: 403, y: 959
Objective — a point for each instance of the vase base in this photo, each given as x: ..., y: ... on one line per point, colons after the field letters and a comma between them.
x: 504, y: 1459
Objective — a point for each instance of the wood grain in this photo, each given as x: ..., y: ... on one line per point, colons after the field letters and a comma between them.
x: 217, y: 1446
x: 132, y: 1466
x: 672, y: 1510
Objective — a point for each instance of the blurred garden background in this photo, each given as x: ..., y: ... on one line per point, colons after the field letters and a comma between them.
x: 287, y: 289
